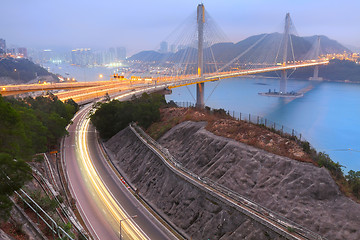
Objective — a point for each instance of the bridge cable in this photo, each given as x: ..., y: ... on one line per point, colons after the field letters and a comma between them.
x: 293, y: 55
x: 190, y: 93
x: 243, y: 53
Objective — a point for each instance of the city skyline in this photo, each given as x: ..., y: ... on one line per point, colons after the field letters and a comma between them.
x: 144, y: 25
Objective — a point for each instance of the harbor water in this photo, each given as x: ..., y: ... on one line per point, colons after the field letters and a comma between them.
x: 327, y: 116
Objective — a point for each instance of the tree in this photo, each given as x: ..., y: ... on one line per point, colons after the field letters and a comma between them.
x: 11, y: 129
x: 353, y: 179
x: 27, y: 127
x: 110, y: 118
x: 72, y: 103
x: 13, y: 174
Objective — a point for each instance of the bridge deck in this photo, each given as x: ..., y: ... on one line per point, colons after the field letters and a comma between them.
x: 220, y: 76
x: 84, y: 91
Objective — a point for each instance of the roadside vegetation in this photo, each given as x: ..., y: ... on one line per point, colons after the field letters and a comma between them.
x: 349, y: 183
x: 111, y: 117
x: 27, y: 127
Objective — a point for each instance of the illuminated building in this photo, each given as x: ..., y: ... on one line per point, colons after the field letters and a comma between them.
x: 82, y: 57
x: 23, y: 51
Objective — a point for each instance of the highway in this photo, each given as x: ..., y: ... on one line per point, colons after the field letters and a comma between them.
x: 102, y: 199
x: 87, y: 94
x: 82, y: 92
x: 223, y: 75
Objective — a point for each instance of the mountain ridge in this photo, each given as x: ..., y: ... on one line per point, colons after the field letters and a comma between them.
x: 226, y: 51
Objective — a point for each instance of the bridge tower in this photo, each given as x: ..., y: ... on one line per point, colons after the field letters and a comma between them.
x: 316, y: 69
x: 283, y: 81
x: 200, y: 86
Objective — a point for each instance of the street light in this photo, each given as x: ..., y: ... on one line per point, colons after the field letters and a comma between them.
x: 17, y: 73
x: 125, y: 220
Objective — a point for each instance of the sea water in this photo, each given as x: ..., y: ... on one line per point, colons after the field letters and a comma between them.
x: 328, y: 115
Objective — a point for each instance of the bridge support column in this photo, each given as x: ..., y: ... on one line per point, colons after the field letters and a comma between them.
x: 316, y: 69
x: 316, y: 72
x: 283, y: 81
x: 200, y: 95
x: 200, y: 86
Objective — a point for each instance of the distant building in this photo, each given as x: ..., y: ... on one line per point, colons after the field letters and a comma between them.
x: 163, y: 47
x: 46, y: 55
x: 172, y: 48
x: 23, y: 51
x: 12, y: 51
x: 82, y: 57
x: 3, y: 44
x: 121, y: 53
x: 99, y: 60
x: 112, y: 55
x: 106, y: 58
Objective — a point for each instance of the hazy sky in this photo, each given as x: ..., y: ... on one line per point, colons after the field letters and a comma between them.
x: 141, y: 24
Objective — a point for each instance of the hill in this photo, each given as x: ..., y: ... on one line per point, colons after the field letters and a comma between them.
x: 265, y: 51
x: 328, y: 45
x: 300, y: 191
x: 336, y: 70
x: 147, y: 56
x: 18, y: 71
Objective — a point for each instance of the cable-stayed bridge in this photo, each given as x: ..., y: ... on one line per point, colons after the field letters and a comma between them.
x: 195, y: 62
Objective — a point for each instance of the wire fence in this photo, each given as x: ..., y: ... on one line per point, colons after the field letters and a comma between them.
x: 255, y: 119
x: 56, y: 230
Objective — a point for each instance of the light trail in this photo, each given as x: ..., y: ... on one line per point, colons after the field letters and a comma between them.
x: 219, y: 76
x: 104, y: 197
x: 91, y: 90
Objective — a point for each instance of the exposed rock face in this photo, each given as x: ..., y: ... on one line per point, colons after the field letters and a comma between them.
x: 300, y: 191
x: 198, y: 214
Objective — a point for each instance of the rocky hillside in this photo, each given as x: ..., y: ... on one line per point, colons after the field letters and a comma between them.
x: 197, y: 214
x: 300, y: 191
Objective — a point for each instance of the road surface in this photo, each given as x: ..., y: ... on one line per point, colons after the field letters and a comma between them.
x: 102, y: 199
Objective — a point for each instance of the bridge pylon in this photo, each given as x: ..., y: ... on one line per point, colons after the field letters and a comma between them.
x: 283, y: 81
x: 316, y: 69
x: 200, y: 86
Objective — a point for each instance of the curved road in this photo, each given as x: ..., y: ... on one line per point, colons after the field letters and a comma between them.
x: 101, y: 198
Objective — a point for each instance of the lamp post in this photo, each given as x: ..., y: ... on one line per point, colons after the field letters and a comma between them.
x: 15, y: 70
x: 125, y: 220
